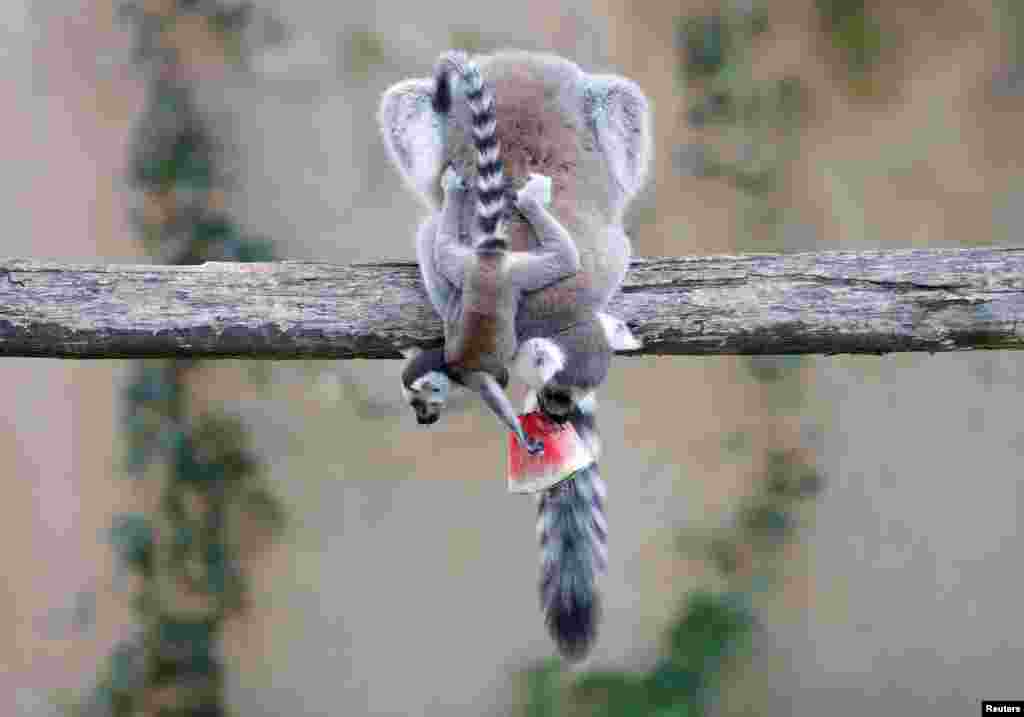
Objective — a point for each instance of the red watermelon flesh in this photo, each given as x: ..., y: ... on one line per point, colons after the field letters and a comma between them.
x: 564, y: 454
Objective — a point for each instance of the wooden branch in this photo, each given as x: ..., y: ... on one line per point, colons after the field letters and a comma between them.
x: 832, y: 302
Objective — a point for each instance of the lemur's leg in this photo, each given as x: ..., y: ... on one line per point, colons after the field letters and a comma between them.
x: 449, y: 252
x: 439, y: 289
x: 490, y: 390
x: 556, y: 256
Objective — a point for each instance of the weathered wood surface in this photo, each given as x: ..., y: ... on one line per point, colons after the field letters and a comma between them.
x: 832, y: 302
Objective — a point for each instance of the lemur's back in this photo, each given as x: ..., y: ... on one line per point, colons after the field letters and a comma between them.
x: 482, y: 336
x: 541, y: 127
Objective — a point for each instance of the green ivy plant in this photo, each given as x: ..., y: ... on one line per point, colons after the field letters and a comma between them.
x: 186, y: 552
x: 748, y: 128
x: 856, y: 34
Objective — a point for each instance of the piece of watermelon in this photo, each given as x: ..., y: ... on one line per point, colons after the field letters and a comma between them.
x: 564, y: 454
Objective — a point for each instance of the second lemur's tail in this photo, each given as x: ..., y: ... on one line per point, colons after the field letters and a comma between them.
x: 573, y: 535
x: 490, y: 179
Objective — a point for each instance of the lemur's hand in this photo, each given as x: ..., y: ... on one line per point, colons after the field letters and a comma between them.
x: 451, y: 181
x: 534, y: 446
x: 536, y: 190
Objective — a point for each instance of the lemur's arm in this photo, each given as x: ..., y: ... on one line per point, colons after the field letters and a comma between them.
x: 450, y: 254
x: 557, y: 256
x: 494, y: 396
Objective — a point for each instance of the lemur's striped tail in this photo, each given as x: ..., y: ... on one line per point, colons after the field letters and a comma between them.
x: 573, y: 536
x: 490, y: 179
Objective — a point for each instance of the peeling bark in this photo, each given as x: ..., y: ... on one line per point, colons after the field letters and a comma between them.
x: 826, y: 303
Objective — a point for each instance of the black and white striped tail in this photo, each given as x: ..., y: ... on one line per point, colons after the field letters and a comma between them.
x: 573, y: 534
x: 490, y: 180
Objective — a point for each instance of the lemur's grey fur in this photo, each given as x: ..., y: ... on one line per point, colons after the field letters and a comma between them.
x: 483, y: 283
x: 591, y: 135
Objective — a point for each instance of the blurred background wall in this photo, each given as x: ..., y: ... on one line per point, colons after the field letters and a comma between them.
x: 404, y: 581
x: 65, y: 133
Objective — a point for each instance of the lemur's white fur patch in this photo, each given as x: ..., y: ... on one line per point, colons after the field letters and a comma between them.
x: 542, y: 525
x: 530, y: 402
x: 537, y: 361
x: 588, y: 403
x: 433, y: 388
x: 619, y: 336
x: 537, y: 187
x: 602, y: 524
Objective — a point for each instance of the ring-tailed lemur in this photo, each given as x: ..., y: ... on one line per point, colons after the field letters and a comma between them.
x: 483, y: 283
x: 591, y: 135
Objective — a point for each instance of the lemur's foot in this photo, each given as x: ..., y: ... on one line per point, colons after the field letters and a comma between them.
x: 451, y: 181
x: 537, y: 189
x: 618, y: 334
x: 534, y: 446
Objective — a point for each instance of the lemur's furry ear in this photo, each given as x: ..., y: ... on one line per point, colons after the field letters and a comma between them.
x: 622, y: 124
x: 413, y: 135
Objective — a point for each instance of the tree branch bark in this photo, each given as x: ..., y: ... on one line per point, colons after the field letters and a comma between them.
x: 829, y: 303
